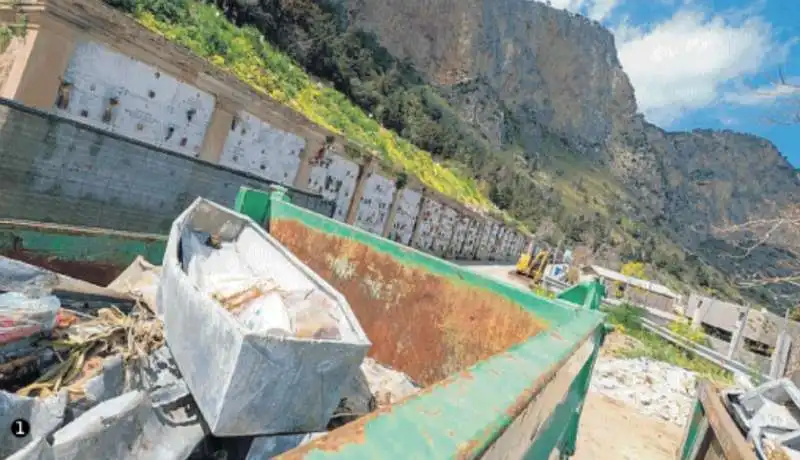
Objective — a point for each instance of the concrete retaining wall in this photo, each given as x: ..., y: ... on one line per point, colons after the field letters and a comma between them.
x: 57, y: 170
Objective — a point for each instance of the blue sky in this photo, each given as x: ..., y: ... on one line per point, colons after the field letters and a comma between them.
x: 709, y: 63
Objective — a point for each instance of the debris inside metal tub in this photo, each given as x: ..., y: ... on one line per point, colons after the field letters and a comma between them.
x: 258, y: 302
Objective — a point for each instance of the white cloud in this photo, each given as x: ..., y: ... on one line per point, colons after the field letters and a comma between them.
x: 688, y: 61
x: 595, y: 9
x: 762, y: 95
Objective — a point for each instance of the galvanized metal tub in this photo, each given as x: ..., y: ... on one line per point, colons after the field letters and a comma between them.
x: 248, y: 381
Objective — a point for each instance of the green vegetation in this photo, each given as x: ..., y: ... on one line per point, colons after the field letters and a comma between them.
x: 683, y: 328
x: 634, y: 269
x: 18, y: 29
x: 627, y: 320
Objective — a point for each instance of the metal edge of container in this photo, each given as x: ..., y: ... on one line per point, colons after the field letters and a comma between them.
x: 464, y: 415
x: 91, y: 254
x: 468, y: 414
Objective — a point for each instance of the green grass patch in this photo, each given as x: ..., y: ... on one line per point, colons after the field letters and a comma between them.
x: 627, y: 319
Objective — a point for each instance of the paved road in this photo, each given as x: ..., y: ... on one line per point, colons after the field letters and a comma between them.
x: 504, y: 273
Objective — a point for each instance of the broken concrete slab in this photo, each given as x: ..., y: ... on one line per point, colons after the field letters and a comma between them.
x: 18, y: 276
x: 141, y: 410
x: 372, y: 386
x: 131, y: 427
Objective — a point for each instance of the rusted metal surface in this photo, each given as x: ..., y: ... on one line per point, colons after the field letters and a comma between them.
x: 98, y: 273
x: 429, y: 326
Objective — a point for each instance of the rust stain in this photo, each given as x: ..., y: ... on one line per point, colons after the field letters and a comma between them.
x: 352, y: 433
x: 99, y: 273
x: 466, y: 374
x: 429, y: 327
x: 468, y: 450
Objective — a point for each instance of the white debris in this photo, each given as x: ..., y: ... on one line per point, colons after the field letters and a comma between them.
x: 372, y: 387
x: 387, y: 385
x: 652, y: 387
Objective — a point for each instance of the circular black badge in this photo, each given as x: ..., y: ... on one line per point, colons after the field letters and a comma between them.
x: 20, y: 428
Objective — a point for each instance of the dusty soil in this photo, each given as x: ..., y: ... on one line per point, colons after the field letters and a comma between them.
x: 610, y: 430
x: 616, y: 343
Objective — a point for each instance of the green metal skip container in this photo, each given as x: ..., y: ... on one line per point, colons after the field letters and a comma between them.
x: 505, y: 371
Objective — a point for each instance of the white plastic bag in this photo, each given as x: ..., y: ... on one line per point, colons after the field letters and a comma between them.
x: 312, y: 315
x: 22, y: 316
x: 218, y: 273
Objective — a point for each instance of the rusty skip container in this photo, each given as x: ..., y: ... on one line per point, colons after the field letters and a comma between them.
x: 506, y: 371
x: 249, y: 372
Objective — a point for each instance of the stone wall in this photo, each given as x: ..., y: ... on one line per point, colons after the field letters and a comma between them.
x: 94, y: 66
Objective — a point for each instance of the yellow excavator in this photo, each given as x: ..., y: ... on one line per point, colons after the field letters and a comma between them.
x: 533, y: 262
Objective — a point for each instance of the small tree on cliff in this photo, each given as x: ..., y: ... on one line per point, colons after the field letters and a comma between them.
x: 782, y: 230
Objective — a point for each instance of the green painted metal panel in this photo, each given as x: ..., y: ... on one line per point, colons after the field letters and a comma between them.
x: 589, y: 295
x: 692, y: 429
x: 91, y: 254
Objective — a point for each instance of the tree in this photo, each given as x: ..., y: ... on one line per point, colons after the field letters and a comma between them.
x: 634, y: 269
x: 782, y: 231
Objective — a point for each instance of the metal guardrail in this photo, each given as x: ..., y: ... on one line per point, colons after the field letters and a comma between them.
x: 554, y: 285
x: 663, y: 332
x: 699, y: 350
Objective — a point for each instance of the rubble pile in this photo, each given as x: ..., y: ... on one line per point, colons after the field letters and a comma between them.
x: 652, y: 387
x: 231, y: 350
x: 769, y: 415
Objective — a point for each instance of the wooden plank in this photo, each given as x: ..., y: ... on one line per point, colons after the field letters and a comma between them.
x: 727, y: 434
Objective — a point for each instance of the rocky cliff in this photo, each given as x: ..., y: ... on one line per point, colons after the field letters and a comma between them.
x: 559, y: 72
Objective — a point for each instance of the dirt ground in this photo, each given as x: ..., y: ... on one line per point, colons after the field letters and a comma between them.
x: 609, y: 430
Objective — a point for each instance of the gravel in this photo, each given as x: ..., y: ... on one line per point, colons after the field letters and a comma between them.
x: 652, y: 387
